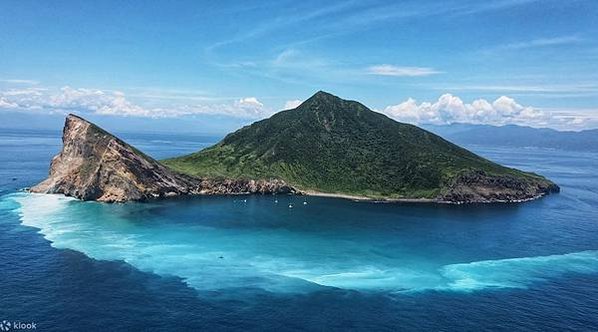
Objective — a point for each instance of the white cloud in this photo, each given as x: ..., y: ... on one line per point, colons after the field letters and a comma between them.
x: 291, y: 104
x: 7, y: 104
x: 247, y: 106
x: 115, y: 103
x: 390, y: 70
x: 28, y: 98
x: 450, y: 109
x: 238, y: 109
x: 250, y: 102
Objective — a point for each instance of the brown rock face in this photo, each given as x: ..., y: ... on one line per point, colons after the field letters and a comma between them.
x: 480, y: 187
x: 95, y: 165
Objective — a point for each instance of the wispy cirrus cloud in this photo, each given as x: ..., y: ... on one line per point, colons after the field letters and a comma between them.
x: 19, y: 81
x: 532, y: 44
x: 489, y: 6
x: 554, y: 90
x: 279, y: 22
x: 543, y: 42
x: 351, y: 15
x: 390, y: 70
x: 296, y: 66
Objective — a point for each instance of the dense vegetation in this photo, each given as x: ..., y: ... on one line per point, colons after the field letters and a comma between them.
x: 328, y: 144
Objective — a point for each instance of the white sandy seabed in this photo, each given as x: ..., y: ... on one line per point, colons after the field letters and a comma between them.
x: 213, y: 258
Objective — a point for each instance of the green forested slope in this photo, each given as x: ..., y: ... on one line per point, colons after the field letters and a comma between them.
x: 328, y: 144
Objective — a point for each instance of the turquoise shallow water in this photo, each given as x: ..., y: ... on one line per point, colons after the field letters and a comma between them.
x: 253, y: 263
x: 218, y: 243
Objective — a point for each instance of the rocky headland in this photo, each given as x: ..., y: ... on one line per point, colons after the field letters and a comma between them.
x: 96, y: 165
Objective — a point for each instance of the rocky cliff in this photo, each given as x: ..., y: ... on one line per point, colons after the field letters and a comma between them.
x: 481, y: 187
x: 95, y: 165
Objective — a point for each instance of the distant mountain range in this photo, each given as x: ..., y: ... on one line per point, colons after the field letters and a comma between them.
x: 518, y: 136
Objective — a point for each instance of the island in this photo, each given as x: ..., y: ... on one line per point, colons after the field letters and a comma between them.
x: 326, y: 146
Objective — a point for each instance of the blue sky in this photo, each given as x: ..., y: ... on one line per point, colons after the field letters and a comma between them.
x: 215, y: 65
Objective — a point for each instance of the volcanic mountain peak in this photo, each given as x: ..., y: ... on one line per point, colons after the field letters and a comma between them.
x: 338, y: 146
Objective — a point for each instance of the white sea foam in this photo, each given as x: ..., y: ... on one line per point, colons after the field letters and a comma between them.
x: 517, y: 272
x: 274, y: 259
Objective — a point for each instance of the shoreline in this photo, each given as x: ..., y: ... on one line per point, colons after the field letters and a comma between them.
x: 373, y: 200
x: 413, y: 200
x: 354, y: 198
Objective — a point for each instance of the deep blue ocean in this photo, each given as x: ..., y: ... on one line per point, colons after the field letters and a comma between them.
x: 253, y: 263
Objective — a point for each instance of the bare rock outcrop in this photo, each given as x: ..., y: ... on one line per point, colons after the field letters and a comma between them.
x: 481, y: 187
x: 96, y: 165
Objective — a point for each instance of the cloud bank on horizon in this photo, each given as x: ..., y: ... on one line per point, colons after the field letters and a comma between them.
x: 447, y: 110
x: 115, y: 103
